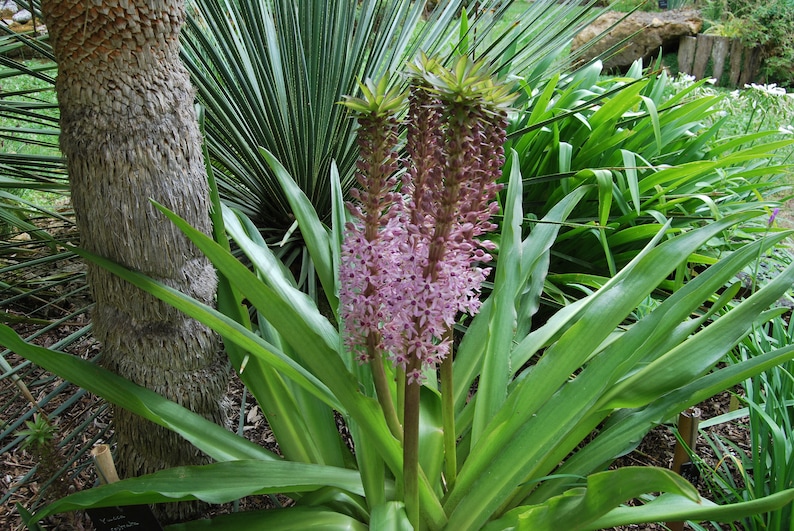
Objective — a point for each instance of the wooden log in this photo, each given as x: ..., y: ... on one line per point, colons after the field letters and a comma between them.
x: 736, y: 62
x: 752, y: 58
x: 719, y: 53
x: 686, y: 54
x: 702, y: 55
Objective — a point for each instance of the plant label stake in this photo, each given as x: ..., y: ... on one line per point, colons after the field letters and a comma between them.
x: 129, y: 517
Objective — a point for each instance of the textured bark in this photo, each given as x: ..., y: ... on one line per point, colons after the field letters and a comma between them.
x: 129, y: 133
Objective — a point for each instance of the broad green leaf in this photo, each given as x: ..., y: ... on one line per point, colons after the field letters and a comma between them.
x: 214, y: 440
x: 390, y: 517
x: 579, y: 507
x: 288, y: 519
x: 340, y: 500
x: 313, y: 232
x: 672, y: 508
x: 500, y: 454
x: 371, y: 466
x: 495, y: 374
x: 214, y: 483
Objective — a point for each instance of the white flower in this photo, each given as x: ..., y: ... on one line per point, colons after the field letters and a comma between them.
x: 771, y: 89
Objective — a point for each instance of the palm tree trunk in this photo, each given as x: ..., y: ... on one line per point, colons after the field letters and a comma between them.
x: 129, y: 133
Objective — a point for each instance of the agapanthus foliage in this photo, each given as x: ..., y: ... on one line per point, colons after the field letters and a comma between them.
x: 413, y: 257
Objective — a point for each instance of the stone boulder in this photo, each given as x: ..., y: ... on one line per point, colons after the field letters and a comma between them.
x: 646, y: 34
x: 8, y: 8
x: 23, y: 16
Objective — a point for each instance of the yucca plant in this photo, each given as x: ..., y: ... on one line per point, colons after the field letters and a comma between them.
x: 272, y: 74
x: 532, y: 439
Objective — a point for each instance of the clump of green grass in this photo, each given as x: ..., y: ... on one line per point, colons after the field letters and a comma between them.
x: 29, y: 109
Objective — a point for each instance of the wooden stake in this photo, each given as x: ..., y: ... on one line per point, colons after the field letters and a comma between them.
x: 688, y: 431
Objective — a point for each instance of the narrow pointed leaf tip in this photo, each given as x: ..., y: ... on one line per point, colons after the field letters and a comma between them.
x: 377, y: 99
x: 468, y: 82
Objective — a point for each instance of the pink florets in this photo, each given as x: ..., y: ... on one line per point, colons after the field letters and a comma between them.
x: 411, y: 261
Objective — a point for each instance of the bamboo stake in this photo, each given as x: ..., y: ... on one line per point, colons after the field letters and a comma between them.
x: 103, y: 459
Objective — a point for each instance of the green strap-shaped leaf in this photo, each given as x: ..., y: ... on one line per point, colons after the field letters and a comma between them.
x: 502, y: 453
x: 214, y: 483
x: 309, y: 333
x: 577, y: 508
x: 468, y: 359
x: 495, y: 374
x: 672, y: 508
x: 390, y: 516
x: 212, y: 439
x: 315, y: 518
x: 431, y: 435
x: 230, y: 329
x: 628, y: 427
x: 338, y: 219
x: 314, y: 234
x: 630, y: 169
x: 679, y: 366
x: 654, y: 113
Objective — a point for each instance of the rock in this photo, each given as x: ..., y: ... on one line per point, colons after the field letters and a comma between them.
x: 8, y: 9
x: 647, y: 32
x: 22, y: 16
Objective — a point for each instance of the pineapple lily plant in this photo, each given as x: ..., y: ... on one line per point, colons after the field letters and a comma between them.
x: 494, y: 421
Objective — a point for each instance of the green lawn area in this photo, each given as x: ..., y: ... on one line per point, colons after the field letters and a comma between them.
x: 28, y: 110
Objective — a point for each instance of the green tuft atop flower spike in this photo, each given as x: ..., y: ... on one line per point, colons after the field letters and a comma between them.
x: 377, y: 100
x: 468, y: 82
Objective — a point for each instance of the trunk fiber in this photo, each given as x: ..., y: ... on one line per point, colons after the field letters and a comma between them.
x: 129, y: 133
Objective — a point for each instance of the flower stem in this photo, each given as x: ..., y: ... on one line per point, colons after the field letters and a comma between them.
x: 448, y: 420
x: 401, y: 393
x: 411, y: 449
x: 384, y: 394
